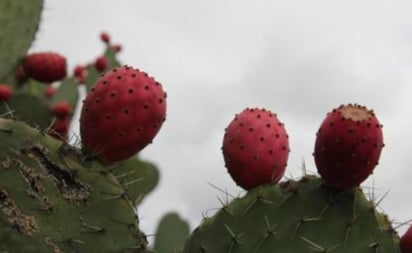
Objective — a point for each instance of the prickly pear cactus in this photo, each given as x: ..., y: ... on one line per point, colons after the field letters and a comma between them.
x: 303, y: 216
x: 19, y: 21
x: 52, y: 201
x: 171, y: 235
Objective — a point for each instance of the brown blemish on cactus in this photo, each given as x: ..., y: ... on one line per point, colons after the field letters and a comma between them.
x: 64, y: 178
x: 17, y: 220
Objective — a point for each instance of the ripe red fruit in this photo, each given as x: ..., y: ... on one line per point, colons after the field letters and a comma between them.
x: 255, y: 148
x: 105, y: 37
x: 348, y: 146
x: 60, y: 128
x: 5, y: 92
x: 61, y: 109
x: 101, y: 63
x: 45, y: 67
x: 405, y: 242
x: 20, y: 74
x: 49, y: 91
x: 121, y: 114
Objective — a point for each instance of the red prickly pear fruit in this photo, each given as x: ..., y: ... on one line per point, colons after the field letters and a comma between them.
x: 348, y: 146
x: 101, y: 63
x: 117, y: 48
x: 60, y: 128
x: 105, y: 37
x: 49, y: 91
x: 5, y: 92
x: 21, y: 74
x: 255, y: 148
x: 80, y: 73
x: 405, y: 242
x: 121, y: 114
x: 61, y: 109
x: 45, y: 67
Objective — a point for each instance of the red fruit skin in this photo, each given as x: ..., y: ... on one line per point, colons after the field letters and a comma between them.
x: 255, y: 148
x: 405, y: 242
x: 60, y: 128
x: 61, y: 109
x: 49, y: 91
x: 105, y: 37
x: 45, y: 67
x: 21, y: 75
x: 121, y: 114
x: 5, y: 92
x: 101, y: 63
x: 348, y: 146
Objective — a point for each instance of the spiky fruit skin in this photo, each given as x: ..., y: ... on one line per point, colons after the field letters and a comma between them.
x: 101, y: 63
x: 61, y: 109
x: 121, y: 114
x: 52, y: 200
x: 45, y: 67
x: 255, y: 148
x: 296, y: 217
x: 5, y: 92
x: 348, y: 146
x: 406, y: 241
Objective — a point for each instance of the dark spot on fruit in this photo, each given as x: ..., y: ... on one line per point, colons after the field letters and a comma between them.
x: 112, y: 94
x: 133, y: 75
x: 120, y: 134
x: 160, y: 100
x: 93, y: 89
x: 97, y: 100
x: 155, y: 125
x: 108, y: 116
x: 242, y: 147
x: 126, y: 111
x: 241, y: 124
x: 119, y: 77
x: 250, y: 129
x: 270, y: 151
x: 157, y: 83
x: 258, y: 116
x: 331, y: 123
x: 363, y: 139
x: 262, y: 139
x: 255, y: 157
x: 268, y: 125
x: 165, y: 95
x: 383, y: 145
x: 139, y: 129
x: 284, y: 148
x: 350, y: 130
x: 368, y: 124
x: 105, y: 82
x: 277, y: 135
x: 115, y: 70
x: 146, y: 87
x: 146, y: 106
x: 130, y: 91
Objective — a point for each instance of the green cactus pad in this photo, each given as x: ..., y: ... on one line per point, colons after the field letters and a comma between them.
x: 19, y: 21
x: 138, y: 177
x: 29, y: 108
x: 171, y: 234
x: 94, y: 74
x: 296, y: 217
x: 51, y: 203
x: 67, y: 91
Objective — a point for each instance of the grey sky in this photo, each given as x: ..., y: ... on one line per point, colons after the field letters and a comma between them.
x: 299, y: 59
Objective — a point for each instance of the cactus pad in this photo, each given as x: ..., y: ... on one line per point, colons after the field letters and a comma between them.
x: 303, y: 216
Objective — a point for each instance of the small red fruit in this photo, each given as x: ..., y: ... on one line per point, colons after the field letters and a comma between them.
x: 45, y: 67
x: 5, y: 92
x: 255, y: 148
x: 117, y: 48
x: 60, y: 128
x: 21, y: 75
x: 105, y: 37
x: 348, y: 146
x: 49, y: 91
x: 405, y: 242
x: 101, y: 63
x: 121, y: 114
x: 61, y: 109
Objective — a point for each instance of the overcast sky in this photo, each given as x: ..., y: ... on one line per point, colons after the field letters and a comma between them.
x: 299, y: 59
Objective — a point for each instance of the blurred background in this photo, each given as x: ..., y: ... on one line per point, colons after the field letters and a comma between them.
x: 214, y: 58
